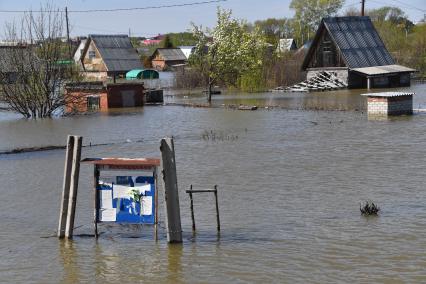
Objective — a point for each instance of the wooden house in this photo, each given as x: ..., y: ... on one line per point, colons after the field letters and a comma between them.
x: 351, y: 49
x: 13, y: 60
x: 109, y: 56
x: 166, y: 58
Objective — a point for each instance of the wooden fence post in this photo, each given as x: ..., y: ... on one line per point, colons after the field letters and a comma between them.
x: 217, y: 209
x: 168, y: 165
x: 75, y: 172
x: 66, y: 187
x: 96, y: 174
x: 192, y: 209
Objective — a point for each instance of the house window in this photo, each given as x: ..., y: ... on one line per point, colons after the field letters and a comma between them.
x: 93, y: 102
x: 92, y: 54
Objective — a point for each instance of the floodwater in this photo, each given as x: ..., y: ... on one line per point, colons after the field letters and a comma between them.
x: 290, y: 183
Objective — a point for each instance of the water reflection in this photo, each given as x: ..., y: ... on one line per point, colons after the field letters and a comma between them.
x: 69, y: 258
x: 174, y: 263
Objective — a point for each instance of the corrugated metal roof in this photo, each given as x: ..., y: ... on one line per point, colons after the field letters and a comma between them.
x: 117, y: 52
x: 172, y: 54
x: 381, y: 70
x: 357, y: 39
x: 388, y: 94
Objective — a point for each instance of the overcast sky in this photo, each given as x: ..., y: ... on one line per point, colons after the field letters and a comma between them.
x: 154, y: 21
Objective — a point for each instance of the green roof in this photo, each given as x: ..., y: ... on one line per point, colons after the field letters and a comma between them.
x: 133, y: 74
x: 142, y: 74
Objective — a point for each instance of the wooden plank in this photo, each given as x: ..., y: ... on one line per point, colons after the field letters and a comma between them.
x: 200, y: 190
x: 156, y: 205
x: 217, y: 209
x: 168, y: 165
x: 75, y: 172
x: 192, y: 208
x: 66, y: 187
x: 96, y: 175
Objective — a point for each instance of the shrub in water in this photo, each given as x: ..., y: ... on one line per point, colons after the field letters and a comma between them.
x: 369, y: 208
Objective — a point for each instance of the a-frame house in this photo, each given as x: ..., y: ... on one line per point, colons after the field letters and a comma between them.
x: 351, y: 48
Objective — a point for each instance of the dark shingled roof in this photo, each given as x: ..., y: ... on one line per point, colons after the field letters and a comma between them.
x: 171, y: 54
x: 117, y: 52
x: 357, y: 39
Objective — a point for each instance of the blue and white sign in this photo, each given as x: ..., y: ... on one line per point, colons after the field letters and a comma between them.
x: 129, y: 200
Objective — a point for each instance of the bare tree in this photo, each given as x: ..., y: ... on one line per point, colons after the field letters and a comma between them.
x: 33, y: 71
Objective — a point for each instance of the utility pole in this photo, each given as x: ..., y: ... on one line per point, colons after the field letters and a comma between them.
x: 68, y: 32
x: 130, y: 34
x: 362, y: 7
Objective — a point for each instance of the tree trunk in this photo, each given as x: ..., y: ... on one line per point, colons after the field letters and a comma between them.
x: 209, y: 91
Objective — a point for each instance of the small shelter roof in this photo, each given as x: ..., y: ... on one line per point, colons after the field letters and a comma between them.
x: 116, y: 51
x: 357, y: 40
x: 171, y: 54
x: 383, y: 70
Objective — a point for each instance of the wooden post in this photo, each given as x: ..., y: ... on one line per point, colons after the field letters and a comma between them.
x: 192, y: 209
x: 217, y: 209
x: 171, y: 195
x: 156, y: 205
x: 362, y: 7
x: 96, y: 198
x: 66, y: 187
x: 75, y: 171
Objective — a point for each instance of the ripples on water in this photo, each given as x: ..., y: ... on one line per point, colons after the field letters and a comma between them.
x: 289, y: 193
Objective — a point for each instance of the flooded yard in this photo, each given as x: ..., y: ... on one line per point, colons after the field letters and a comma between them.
x: 290, y: 183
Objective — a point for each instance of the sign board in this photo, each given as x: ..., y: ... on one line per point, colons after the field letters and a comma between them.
x: 130, y: 199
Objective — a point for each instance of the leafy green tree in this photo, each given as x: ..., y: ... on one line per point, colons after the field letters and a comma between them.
x: 274, y: 29
x: 167, y: 42
x: 308, y: 15
x: 227, y: 51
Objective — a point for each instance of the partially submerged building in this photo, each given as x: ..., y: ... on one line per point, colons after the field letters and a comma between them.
x: 101, y: 96
x: 167, y: 58
x: 93, y: 96
x: 352, y: 50
x: 109, y: 56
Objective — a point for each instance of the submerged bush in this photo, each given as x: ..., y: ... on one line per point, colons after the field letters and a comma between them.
x: 369, y: 209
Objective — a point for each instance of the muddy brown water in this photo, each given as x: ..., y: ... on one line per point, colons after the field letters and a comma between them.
x: 290, y: 183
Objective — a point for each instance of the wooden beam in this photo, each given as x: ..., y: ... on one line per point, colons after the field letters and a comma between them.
x: 66, y: 187
x: 96, y: 174
x: 75, y: 173
x: 192, y: 208
x: 171, y: 195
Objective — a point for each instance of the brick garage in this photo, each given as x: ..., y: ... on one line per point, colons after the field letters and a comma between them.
x: 389, y: 103
x: 95, y: 96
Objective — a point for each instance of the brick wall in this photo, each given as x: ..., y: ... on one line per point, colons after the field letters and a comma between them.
x: 390, y: 105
